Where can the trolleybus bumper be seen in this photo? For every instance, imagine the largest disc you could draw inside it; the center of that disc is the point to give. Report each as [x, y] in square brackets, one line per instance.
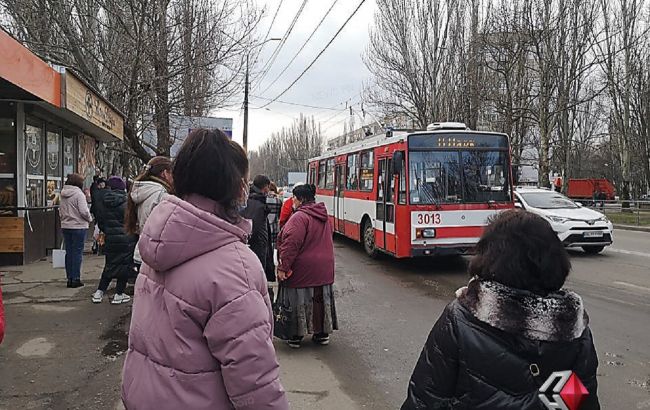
[444, 250]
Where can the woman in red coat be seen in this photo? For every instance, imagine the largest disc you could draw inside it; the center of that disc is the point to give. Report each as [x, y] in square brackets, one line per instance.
[287, 209]
[306, 269]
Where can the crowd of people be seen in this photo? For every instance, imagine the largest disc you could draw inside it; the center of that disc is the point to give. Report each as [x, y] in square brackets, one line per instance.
[206, 245]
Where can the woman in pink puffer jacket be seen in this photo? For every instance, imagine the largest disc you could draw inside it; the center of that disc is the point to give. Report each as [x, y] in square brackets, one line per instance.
[202, 326]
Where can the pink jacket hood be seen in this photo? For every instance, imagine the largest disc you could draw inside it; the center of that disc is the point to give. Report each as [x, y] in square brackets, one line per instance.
[179, 230]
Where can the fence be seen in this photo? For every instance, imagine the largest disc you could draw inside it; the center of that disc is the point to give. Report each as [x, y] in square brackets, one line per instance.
[622, 212]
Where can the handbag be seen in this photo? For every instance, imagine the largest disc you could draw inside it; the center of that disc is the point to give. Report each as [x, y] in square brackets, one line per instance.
[58, 257]
[282, 315]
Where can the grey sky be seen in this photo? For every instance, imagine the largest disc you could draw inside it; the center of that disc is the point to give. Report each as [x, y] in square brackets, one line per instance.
[337, 76]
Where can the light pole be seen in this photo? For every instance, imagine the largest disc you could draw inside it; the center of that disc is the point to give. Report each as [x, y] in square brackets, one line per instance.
[246, 86]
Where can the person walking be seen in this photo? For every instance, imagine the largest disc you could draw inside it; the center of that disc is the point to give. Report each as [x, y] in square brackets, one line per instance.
[510, 328]
[260, 240]
[119, 246]
[75, 219]
[149, 188]
[202, 327]
[306, 269]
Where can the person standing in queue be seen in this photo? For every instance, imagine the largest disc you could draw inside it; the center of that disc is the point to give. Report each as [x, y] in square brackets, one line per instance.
[119, 245]
[274, 206]
[75, 220]
[260, 240]
[306, 269]
[202, 326]
[287, 209]
[149, 188]
[510, 328]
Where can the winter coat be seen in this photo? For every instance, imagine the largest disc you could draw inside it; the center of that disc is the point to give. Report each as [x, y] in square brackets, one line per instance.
[306, 248]
[146, 195]
[2, 318]
[74, 210]
[119, 246]
[97, 201]
[285, 212]
[260, 240]
[494, 347]
[202, 327]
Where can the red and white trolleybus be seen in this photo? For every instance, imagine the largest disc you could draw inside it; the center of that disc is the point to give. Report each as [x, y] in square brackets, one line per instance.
[416, 193]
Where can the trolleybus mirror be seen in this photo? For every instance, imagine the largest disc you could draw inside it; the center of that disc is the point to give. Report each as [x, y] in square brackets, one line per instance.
[398, 159]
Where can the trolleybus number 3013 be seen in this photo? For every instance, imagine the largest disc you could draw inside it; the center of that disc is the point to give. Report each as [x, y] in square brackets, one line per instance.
[429, 218]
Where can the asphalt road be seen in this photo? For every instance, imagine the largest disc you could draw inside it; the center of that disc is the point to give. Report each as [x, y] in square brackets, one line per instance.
[387, 307]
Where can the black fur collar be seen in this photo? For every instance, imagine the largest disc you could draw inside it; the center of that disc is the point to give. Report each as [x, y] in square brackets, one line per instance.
[560, 316]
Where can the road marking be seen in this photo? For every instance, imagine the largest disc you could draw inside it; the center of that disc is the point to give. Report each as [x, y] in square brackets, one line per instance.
[623, 251]
[633, 286]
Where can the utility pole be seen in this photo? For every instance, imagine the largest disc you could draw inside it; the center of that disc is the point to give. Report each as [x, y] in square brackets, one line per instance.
[246, 85]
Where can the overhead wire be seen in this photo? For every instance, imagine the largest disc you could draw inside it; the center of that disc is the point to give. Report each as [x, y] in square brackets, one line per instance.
[277, 10]
[267, 66]
[297, 104]
[318, 56]
[302, 47]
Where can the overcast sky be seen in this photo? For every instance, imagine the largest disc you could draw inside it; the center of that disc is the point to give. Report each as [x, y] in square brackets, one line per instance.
[337, 76]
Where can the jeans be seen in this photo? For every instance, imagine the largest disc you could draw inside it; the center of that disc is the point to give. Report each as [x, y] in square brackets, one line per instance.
[74, 247]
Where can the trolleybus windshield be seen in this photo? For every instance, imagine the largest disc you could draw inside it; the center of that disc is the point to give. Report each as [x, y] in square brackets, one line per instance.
[458, 169]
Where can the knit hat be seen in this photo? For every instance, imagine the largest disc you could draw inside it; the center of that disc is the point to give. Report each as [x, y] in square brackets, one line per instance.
[116, 183]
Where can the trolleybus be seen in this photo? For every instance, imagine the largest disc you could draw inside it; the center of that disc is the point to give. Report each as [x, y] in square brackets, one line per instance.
[416, 193]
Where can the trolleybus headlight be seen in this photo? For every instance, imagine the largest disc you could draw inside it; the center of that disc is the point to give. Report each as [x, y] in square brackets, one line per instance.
[425, 233]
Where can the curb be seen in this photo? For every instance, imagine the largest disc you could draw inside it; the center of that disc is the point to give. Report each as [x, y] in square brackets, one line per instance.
[633, 228]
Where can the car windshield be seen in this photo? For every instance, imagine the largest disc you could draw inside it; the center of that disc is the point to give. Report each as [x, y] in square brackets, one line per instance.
[458, 177]
[548, 200]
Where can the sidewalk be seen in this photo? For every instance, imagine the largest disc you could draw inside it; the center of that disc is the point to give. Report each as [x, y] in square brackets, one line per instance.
[63, 352]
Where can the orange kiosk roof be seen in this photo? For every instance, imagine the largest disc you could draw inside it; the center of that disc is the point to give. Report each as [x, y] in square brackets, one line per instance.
[24, 69]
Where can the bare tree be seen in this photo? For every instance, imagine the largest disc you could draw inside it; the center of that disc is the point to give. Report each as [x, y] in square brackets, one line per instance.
[288, 150]
[152, 58]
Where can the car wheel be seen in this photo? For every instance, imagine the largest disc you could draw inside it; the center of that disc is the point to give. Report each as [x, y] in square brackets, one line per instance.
[593, 250]
[369, 240]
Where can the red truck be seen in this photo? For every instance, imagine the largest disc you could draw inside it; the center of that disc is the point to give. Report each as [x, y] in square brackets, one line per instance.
[591, 188]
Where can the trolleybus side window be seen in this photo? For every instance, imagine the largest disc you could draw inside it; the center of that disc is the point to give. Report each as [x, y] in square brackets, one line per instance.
[329, 181]
[321, 174]
[353, 172]
[312, 175]
[367, 166]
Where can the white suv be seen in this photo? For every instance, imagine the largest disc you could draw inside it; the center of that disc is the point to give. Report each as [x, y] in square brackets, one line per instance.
[575, 226]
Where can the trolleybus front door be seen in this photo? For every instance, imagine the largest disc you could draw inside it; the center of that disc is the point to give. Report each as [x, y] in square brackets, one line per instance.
[385, 208]
[339, 200]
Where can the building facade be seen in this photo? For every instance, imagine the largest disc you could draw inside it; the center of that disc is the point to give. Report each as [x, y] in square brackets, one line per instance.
[50, 122]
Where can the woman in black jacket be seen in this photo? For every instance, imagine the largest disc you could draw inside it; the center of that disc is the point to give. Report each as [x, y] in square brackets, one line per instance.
[119, 246]
[509, 329]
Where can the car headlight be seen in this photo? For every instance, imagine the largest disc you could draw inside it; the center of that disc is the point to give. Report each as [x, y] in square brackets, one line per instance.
[557, 219]
[604, 219]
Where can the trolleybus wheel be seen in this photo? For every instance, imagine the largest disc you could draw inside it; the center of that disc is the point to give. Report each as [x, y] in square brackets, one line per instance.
[369, 240]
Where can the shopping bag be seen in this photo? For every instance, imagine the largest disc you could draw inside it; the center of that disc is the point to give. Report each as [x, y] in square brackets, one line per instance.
[58, 258]
[282, 315]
